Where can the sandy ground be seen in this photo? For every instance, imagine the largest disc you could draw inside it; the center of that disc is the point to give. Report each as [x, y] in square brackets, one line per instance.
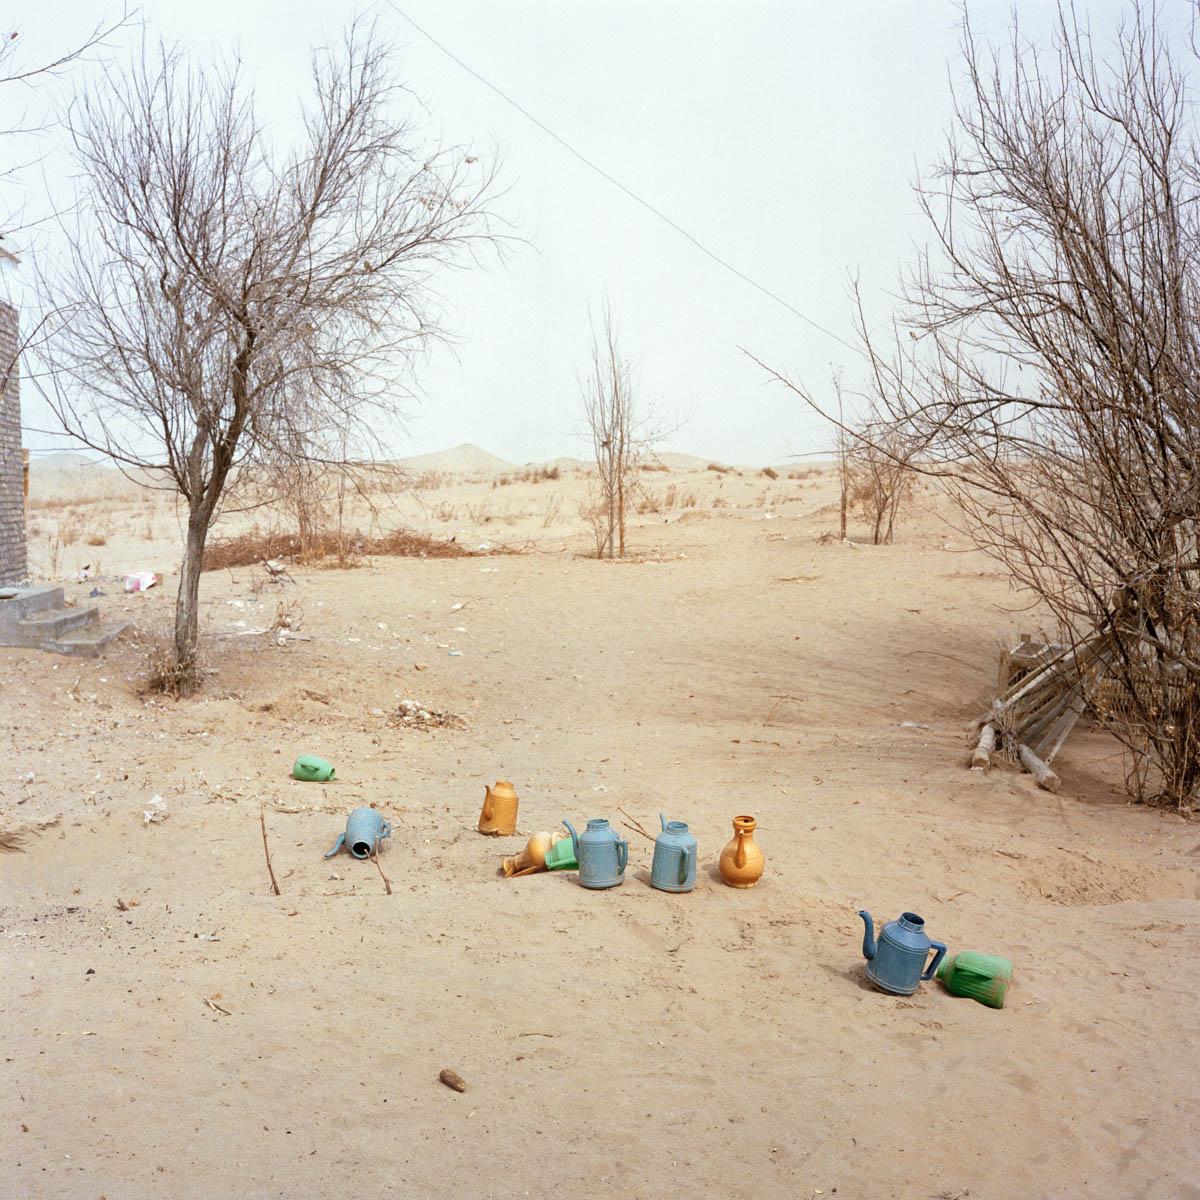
[172, 1028]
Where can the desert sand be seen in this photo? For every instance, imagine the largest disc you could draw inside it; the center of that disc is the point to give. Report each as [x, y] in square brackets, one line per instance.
[172, 1028]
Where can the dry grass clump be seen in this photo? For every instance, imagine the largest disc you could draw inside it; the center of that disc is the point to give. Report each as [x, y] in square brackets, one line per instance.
[769, 472]
[654, 467]
[721, 470]
[247, 549]
[535, 474]
[162, 675]
[404, 543]
[430, 481]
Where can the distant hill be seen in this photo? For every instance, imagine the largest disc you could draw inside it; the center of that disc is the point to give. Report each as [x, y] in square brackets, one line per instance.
[462, 458]
[64, 460]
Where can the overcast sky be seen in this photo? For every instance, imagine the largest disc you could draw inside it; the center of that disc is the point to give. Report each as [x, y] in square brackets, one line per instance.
[784, 136]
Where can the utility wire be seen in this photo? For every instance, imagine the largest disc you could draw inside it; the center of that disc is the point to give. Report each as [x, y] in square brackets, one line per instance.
[617, 183]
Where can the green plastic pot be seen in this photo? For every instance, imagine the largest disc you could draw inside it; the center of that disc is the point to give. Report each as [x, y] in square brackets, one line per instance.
[312, 769]
[982, 977]
[561, 857]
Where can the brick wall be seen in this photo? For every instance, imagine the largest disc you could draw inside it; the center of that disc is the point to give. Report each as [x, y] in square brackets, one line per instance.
[12, 493]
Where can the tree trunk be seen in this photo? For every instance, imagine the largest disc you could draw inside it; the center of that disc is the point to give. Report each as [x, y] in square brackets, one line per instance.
[187, 604]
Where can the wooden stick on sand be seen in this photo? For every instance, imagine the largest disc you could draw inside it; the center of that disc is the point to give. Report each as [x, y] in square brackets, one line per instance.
[375, 858]
[262, 816]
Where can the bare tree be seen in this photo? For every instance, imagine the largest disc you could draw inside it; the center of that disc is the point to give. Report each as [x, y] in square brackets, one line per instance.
[229, 301]
[1059, 340]
[620, 434]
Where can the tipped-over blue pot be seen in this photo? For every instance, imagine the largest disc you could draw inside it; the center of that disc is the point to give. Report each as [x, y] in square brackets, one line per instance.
[364, 828]
[896, 963]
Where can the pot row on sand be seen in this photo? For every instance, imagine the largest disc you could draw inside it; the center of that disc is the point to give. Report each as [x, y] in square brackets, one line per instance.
[600, 854]
[897, 963]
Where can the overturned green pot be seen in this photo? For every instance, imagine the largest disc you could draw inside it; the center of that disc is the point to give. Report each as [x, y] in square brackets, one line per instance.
[312, 769]
[982, 977]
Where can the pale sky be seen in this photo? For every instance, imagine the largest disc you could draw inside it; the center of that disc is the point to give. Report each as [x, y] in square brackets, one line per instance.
[784, 135]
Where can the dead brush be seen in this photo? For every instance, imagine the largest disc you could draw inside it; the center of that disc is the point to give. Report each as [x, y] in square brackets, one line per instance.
[288, 618]
[163, 674]
[250, 549]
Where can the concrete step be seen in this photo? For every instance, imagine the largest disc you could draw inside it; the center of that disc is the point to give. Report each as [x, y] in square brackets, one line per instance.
[19, 603]
[88, 641]
[50, 624]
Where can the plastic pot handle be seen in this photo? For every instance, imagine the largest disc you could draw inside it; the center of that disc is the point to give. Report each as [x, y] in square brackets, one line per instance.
[937, 958]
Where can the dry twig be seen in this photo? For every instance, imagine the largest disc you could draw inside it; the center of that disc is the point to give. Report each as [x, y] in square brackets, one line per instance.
[262, 816]
[375, 860]
[636, 826]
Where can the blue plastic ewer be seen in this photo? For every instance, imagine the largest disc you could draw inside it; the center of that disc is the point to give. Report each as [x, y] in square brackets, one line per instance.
[674, 866]
[897, 963]
[601, 854]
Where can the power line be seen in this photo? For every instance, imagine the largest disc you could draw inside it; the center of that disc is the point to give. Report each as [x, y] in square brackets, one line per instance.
[587, 162]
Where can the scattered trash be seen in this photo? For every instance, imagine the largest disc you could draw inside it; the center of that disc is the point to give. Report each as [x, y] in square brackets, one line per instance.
[897, 963]
[601, 854]
[533, 857]
[365, 828]
[982, 977]
[456, 654]
[156, 812]
[410, 714]
[452, 1080]
[499, 815]
[139, 581]
[94, 593]
[277, 571]
[311, 769]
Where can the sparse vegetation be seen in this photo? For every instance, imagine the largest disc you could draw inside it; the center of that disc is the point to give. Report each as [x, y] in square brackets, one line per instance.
[249, 549]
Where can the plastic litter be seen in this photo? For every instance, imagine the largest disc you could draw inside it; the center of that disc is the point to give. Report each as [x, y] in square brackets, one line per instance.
[139, 581]
[156, 813]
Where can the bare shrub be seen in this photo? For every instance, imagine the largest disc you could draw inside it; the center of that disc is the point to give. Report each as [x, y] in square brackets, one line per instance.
[769, 472]
[621, 433]
[553, 508]
[97, 539]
